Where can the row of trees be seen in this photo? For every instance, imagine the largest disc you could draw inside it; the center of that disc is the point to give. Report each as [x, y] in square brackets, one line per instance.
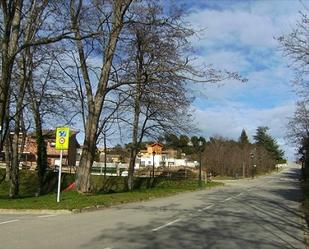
[295, 47]
[188, 145]
[112, 66]
[229, 157]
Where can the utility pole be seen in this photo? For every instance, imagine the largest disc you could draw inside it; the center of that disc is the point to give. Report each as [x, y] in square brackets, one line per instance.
[200, 143]
[304, 170]
[153, 164]
[252, 154]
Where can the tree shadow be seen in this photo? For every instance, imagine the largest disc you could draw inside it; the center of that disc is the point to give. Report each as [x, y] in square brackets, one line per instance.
[255, 221]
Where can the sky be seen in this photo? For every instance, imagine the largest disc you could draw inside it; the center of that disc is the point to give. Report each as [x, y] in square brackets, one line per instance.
[240, 36]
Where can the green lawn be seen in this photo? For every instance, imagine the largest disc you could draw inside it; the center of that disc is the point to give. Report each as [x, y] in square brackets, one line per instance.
[74, 200]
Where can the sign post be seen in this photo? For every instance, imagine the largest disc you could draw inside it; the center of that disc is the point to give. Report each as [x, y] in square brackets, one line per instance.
[62, 143]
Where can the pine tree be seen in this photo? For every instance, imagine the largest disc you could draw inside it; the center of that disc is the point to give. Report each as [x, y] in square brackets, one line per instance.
[243, 139]
[268, 142]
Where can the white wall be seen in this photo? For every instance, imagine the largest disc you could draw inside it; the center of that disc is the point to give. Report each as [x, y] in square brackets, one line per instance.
[159, 160]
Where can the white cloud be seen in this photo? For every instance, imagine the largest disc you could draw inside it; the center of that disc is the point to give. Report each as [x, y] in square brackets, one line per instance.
[240, 37]
[231, 117]
[255, 25]
[222, 59]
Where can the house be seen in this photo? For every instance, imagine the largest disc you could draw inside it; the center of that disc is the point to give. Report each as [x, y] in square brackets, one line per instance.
[110, 156]
[68, 157]
[155, 156]
[114, 162]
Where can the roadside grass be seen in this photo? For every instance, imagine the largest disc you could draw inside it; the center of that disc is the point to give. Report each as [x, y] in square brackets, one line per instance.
[73, 200]
[28, 184]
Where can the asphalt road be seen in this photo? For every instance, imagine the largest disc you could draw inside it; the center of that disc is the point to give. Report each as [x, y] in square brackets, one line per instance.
[259, 213]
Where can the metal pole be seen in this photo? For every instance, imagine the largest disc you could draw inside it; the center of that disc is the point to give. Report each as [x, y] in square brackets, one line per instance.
[305, 165]
[252, 164]
[200, 170]
[153, 163]
[1, 145]
[59, 177]
[0, 139]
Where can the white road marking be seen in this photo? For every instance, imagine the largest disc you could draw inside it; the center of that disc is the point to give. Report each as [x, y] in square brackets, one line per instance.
[227, 199]
[165, 225]
[208, 207]
[205, 208]
[9, 221]
[48, 215]
[239, 194]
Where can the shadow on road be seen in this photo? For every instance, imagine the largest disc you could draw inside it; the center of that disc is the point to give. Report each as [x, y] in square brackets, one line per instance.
[267, 217]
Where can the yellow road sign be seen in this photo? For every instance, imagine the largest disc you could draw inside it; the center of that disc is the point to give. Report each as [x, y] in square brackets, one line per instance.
[62, 138]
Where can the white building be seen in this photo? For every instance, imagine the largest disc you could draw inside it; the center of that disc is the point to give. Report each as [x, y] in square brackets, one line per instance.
[155, 156]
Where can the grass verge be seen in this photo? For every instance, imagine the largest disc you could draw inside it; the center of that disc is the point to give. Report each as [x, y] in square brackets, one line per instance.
[73, 200]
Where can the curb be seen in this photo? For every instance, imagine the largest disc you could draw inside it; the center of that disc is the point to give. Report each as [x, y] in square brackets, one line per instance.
[93, 208]
[34, 211]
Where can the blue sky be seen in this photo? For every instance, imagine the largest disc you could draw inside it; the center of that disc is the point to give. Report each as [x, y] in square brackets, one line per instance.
[239, 36]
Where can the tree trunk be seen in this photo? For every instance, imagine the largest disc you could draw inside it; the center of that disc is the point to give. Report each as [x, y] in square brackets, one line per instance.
[8, 160]
[87, 157]
[16, 152]
[95, 101]
[4, 96]
[14, 183]
[35, 108]
[7, 151]
[41, 152]
[11, 28]
[133, 155]
[137, 109]
[105, 158]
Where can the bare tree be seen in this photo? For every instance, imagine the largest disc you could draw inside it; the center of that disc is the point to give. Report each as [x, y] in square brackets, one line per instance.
[20, 22]
[295, 46]
[25, 24]
[112, 19]
[159, 64]
[226, 157]
[49, 99]
[298, 126]
[298, 133]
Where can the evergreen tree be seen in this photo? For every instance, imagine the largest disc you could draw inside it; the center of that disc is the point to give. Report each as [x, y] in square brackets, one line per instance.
[243, 139]
[171, 141]
[183, 142]
[194, 141]
[268, 142]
